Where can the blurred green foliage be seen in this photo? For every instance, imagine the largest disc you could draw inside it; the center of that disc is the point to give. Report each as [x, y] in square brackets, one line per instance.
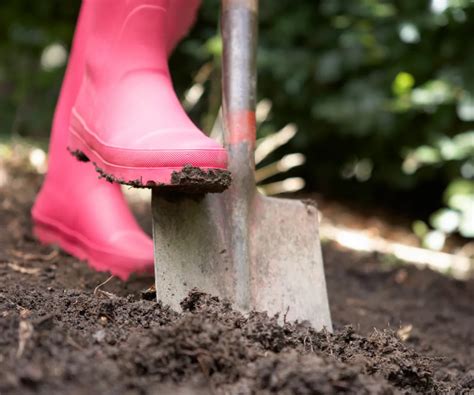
[381, 91]
[28, 91]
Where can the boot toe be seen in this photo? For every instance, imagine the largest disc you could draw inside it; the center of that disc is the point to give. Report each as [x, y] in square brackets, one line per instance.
[134, 251]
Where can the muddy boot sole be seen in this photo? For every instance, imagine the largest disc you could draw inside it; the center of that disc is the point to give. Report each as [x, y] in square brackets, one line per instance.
[188, 180]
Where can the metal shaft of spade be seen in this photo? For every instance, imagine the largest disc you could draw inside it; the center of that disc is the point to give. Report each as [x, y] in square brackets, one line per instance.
[239, 79]
[260, 253]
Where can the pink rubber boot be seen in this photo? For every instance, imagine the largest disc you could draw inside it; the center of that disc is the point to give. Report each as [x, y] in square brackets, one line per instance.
[85, 216]
[127, 119]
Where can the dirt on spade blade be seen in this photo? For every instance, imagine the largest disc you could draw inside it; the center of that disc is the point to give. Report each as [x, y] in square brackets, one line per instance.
[397, 329]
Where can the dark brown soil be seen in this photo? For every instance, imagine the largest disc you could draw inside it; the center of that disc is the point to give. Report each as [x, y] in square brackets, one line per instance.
[62, 332]
[189, 180]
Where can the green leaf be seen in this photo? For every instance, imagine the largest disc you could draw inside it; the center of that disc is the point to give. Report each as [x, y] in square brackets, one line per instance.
[465, 107]
[460, 195]
[446, 220]
[420, 228]
[403, 83]
[434, 240]
[466, 227]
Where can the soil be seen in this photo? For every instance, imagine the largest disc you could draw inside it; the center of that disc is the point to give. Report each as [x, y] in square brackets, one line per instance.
[65, 329]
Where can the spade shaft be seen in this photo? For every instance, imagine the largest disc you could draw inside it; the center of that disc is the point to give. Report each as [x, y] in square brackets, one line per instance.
[261, 253]
[239, 64]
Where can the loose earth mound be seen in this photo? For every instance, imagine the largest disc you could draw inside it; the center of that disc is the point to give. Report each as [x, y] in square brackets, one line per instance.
[397, 329]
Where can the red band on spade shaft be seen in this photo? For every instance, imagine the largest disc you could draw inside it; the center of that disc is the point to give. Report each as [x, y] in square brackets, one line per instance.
[242, 127]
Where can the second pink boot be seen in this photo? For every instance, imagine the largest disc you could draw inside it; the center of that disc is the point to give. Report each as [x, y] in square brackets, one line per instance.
[127, 119]
[85, 216]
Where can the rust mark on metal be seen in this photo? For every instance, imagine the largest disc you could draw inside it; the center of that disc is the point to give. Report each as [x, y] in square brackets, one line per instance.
[242, 127]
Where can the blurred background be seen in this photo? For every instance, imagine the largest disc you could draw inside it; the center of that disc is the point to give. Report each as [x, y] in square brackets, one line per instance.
[367, 105]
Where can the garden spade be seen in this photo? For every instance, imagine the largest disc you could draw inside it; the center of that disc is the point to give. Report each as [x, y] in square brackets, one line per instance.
[261, 253]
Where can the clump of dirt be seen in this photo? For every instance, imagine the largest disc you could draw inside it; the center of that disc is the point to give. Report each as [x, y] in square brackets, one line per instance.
[397, 329]
[191, 179]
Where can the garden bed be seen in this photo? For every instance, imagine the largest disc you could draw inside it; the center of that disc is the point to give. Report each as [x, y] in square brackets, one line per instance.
[398, 329]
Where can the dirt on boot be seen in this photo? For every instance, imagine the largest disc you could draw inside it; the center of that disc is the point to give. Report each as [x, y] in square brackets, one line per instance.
[189, 180]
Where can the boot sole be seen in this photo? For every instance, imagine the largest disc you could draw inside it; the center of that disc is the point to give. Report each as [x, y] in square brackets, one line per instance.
[49, 233]
[186, 179]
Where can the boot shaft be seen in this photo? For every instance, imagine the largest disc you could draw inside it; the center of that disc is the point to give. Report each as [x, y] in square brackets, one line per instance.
[126, 36]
